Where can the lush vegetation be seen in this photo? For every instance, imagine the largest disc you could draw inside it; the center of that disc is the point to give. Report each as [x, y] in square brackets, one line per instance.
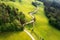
[10, 18]
[41, 28]
[52, 11]
[14, 28]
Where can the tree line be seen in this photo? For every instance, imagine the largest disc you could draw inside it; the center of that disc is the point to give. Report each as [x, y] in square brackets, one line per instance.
[52, 11]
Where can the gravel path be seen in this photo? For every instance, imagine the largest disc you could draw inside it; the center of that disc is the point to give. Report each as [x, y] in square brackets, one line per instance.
[32, 21]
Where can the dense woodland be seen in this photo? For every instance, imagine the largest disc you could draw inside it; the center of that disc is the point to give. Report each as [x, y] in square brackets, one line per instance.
[10, 18]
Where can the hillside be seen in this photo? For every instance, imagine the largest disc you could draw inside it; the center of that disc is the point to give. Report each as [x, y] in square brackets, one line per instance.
[40, 29]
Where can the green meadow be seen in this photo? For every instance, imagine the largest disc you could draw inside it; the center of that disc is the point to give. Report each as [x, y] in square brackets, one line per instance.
[41, 27]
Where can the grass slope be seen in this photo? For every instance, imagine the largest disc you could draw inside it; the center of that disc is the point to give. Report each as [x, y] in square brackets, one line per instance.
[14, 36]
[42, 27]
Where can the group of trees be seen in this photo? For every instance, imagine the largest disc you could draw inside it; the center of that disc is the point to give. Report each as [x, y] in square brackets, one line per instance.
[11, 0]
[52, 11]
[10, 18]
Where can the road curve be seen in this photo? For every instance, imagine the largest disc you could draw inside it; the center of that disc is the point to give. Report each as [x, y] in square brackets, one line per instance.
[32, 21]
[33, 17]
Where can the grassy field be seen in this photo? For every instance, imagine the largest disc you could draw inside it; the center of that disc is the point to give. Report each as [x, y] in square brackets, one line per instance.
[14, 36]
[41, 26]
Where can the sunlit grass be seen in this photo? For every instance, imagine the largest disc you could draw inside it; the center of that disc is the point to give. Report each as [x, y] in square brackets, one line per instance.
[42, 27]
[14, 36]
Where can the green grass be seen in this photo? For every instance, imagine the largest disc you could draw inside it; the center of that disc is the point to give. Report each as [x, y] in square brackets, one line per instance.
[41, 26]
[14, 36]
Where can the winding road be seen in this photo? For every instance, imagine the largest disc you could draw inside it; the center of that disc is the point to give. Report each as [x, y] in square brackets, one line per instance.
[33, 17]
[32, 21]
